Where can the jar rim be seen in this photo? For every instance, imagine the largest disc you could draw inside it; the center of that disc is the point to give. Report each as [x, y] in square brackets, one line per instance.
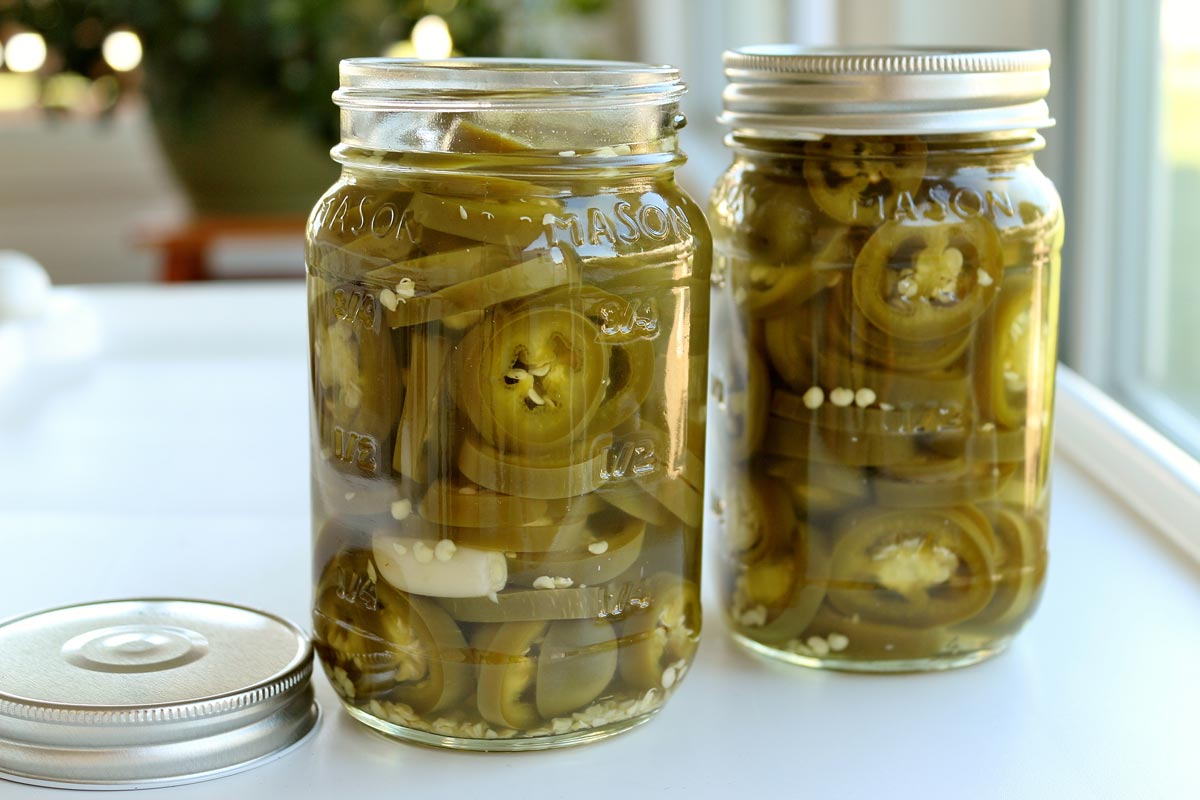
[487, 83]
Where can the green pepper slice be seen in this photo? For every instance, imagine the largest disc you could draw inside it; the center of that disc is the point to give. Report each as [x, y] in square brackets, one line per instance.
[631, 376]
[461, 504]
[536, 274]
[860, 182]
[785, 590]
[439, 270]
[741, 384]
[655, 641]
[853, 437]
[394, 646]
[818, 489]
[1009, 341]
[791, 342]
[913, 568]
[613, 546]
[563, 665]
[537, 477]
[429, 356]
[356, 375]
[1020, 570]
[534, 379]
[469, 137]
[514, 222]
[754, 516]
[940, 482]
[535, 605]
[975, 443]
[577, 660]
[766, 291]
[928, 281]
[633, 500]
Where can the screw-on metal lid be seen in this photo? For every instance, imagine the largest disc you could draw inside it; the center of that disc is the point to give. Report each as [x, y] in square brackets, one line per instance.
[138, 693]
[790, 92]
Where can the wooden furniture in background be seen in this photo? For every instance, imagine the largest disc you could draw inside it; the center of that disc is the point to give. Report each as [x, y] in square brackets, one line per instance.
[209, 248]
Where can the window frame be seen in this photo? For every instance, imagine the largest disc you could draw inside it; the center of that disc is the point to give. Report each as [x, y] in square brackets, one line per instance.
[1116, 246]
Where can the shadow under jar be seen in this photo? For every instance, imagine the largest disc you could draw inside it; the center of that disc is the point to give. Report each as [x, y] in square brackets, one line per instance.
[508, 305]
[885, 312]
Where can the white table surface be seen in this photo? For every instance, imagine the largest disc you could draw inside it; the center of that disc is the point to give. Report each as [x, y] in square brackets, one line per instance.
[174, 462]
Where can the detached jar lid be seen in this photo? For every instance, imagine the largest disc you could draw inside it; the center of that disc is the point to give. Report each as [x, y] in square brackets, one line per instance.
[789, 92]
[132, 694]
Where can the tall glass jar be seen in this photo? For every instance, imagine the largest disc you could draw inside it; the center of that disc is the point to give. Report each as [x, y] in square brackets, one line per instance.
[508, 313]
[885, 312]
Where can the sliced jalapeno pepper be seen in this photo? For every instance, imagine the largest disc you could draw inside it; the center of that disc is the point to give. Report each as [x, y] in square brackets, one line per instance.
[613, 547]
[860, 182]
[581, 472]
[392, 646]
[740, 385]
[631, 375]
[654, 641]
[534, 605]
[928, 281]
[912, 568]
[468, 137]
[426, 379]
[1020, 570]
[534, 379]
[564, 665]
[940, 482]
[755, 517]
[664, 467]
[791, 342]
[432, 272]
[462, 504]
[818, 489]
[852, 436]
[541, 272]
[1009, 342]
[975, 443]
[788, 587]
[514, 222]
[357, 377]
[633, 500]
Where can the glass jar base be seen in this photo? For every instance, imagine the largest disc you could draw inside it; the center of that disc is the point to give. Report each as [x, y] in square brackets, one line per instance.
[935, 663]
[498, 745]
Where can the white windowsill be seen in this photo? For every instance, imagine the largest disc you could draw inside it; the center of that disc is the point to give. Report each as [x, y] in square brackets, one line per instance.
[173, 461]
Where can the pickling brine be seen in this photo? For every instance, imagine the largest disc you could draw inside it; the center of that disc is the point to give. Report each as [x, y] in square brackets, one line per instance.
[885, 314]
[508, 332]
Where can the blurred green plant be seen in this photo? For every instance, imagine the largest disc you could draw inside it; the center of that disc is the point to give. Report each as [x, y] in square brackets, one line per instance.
[196, 51]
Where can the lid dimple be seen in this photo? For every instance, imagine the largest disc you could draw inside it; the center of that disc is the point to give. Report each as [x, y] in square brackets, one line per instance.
[787, 91]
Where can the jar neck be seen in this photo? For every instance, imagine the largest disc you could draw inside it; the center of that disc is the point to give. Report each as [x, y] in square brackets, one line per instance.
[990, 148]
[508, 116]
[607, 163]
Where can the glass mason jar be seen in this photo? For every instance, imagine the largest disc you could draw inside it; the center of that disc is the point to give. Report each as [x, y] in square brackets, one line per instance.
[508, 313]
[885, 312]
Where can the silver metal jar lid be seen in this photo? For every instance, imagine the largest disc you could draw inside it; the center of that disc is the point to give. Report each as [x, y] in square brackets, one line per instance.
[130, 694]
[791, 92]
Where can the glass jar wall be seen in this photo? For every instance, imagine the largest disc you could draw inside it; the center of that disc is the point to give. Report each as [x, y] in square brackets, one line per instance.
[508, 300]
[885, 317]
